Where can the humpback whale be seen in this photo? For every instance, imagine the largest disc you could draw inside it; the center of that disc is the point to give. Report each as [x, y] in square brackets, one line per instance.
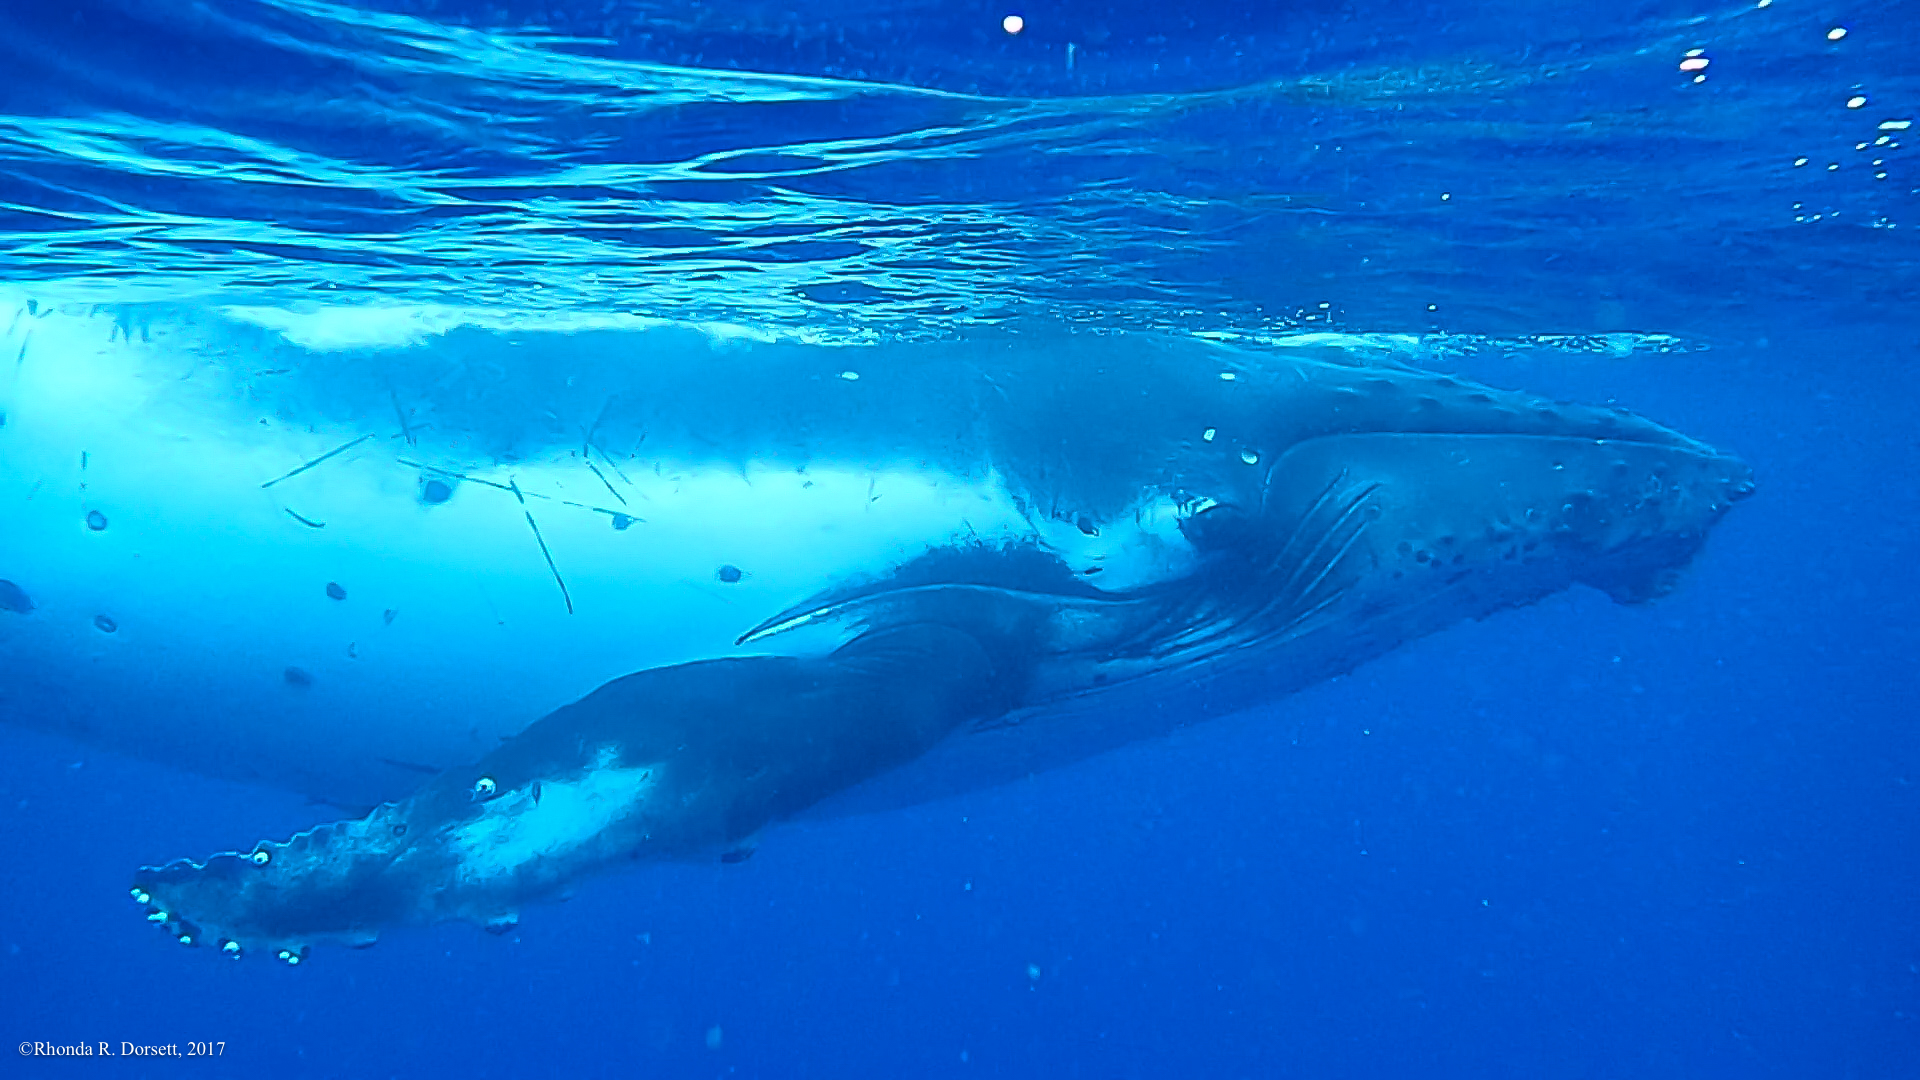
[773, 575]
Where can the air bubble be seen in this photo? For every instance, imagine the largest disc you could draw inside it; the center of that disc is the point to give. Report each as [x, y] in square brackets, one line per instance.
[97, 521]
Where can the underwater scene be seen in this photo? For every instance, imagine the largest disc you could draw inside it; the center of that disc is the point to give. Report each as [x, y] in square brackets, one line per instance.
[776, 539]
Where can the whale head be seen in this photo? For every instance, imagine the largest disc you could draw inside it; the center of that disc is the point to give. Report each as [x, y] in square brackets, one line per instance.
[1350, 509]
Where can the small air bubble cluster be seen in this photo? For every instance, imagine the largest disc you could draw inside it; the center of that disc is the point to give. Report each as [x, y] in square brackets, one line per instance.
[1851, 100]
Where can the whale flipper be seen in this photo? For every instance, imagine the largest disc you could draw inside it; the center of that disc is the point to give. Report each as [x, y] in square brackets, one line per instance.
[671, 763]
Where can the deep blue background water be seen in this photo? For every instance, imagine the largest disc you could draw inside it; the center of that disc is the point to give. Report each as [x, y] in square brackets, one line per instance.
[1578, 840]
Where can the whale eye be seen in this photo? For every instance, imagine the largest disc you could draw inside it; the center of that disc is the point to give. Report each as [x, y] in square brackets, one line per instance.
[260, 857]
[484, 788]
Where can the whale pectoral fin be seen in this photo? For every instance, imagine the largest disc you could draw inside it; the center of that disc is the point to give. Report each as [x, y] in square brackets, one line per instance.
[671, 763]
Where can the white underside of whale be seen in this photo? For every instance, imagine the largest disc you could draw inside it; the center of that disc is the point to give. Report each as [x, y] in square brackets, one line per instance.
[197, 625]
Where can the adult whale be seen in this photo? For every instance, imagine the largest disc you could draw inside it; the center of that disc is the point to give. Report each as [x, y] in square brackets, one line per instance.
[259, 551]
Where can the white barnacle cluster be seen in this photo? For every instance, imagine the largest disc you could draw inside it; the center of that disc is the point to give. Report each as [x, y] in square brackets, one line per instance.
[183, 931]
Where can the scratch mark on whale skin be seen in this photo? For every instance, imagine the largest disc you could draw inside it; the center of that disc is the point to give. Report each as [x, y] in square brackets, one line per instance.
[542, 541]
[328, 456]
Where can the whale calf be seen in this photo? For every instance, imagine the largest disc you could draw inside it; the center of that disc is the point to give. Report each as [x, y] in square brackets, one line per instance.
[775, 575]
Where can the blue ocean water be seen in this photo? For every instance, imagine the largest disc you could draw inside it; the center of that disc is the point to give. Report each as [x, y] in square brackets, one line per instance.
[1578, 839]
